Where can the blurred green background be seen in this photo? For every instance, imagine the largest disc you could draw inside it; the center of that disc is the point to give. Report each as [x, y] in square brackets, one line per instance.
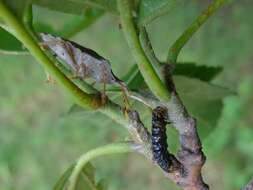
[38, 140]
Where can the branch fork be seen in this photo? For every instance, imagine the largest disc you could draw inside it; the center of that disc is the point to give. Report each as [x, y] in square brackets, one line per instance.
[185, 169]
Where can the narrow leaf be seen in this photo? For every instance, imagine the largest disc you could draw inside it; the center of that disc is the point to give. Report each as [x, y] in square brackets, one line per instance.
[102, 185]
[61, 183]
[198, 89]
[77, 6]
[192, 70]
[66, 6]
[133, 78]
[202, 100]
[76, 110]
[9, 44]
[85, 181]
[150, 9]
[17, 7]
[72, 23]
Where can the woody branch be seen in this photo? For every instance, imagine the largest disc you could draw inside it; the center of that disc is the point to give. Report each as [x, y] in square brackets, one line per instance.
[187, 164]
[190, 156]
[188, 175]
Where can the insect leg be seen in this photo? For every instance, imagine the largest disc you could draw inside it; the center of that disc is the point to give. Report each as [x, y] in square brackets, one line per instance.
[49, 78]
[103, 95]
[125, 94]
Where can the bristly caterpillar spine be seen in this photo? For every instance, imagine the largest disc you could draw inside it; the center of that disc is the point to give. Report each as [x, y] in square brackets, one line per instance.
[159, 139]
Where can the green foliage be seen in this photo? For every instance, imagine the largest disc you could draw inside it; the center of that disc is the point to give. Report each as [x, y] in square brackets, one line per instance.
[29, 130]
[63, 181]
[9, 44]
[202, 72]
[133, 78]
[72, 7]
[203, 100]
[17, 7]
[86, 179]
[150, 10]
[71, 24]
[77, 6]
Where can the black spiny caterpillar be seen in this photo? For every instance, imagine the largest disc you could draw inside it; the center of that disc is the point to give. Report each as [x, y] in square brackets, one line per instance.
[159, 138]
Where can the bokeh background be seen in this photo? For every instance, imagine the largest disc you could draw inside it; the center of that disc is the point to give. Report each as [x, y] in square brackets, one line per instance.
[39, 140]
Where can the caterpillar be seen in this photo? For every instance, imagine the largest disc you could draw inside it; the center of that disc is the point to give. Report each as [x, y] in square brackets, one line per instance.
[159, 139]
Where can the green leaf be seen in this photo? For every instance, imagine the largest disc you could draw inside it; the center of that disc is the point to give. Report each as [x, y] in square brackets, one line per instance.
[72, 23]
[203, 100]
[76, 109]
[9, 44]
[202, 72]
[77, 6]
[66, 6]
[86, 179]
[62, 181]
[109, 5]
[151, 9]
[89, 170]
[101, 185]
[17, 7]
[198, 89]
[133, 78]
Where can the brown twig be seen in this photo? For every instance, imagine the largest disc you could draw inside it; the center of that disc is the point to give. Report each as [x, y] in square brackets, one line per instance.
[186, 171]
[190, 155]
[187, 164]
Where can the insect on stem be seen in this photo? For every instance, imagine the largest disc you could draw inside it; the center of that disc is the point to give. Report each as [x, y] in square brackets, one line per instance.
[161, 155]
[85, 63]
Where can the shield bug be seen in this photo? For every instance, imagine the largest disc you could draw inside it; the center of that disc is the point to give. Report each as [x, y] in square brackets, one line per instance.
[84, 62]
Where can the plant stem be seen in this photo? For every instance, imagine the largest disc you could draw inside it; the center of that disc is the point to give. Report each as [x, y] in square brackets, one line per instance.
[111, 109]
[190, 31]
[19, 31]
[149, 74]
[115, 112]
[101, 151]
[147, 47]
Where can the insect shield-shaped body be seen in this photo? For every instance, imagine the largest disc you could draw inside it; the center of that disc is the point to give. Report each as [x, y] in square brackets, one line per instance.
[84, 62]
[159, 138]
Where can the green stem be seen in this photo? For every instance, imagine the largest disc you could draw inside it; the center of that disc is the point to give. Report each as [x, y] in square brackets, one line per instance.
[149, 74]
[116, 113]
[111, 109]
[19, 31]
[147, 47]
[28, 23]
[117, 148]
[188, 33]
